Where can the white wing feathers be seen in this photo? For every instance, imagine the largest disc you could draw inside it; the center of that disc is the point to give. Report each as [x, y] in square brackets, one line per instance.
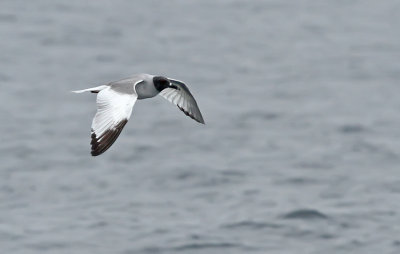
[181, 96]
[113, 112]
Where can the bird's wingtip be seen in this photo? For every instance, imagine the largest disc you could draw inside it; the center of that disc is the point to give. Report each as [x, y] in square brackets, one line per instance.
[200, 120]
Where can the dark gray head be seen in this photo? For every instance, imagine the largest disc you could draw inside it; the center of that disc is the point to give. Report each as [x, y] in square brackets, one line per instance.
[161, 83]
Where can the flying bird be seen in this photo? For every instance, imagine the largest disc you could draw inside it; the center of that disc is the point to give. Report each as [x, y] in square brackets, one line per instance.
[115, 101]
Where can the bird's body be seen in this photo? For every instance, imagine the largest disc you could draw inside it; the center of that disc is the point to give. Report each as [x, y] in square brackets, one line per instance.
[116, 100]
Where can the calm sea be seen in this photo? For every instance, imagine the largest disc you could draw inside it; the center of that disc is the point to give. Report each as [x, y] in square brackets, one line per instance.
[300, 152]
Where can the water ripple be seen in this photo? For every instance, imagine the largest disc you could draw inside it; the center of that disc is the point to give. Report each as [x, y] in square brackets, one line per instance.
[250, 225]
[196, 246]
[305, 214]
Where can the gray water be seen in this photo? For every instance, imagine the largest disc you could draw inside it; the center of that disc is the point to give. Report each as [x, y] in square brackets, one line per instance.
[300, 152]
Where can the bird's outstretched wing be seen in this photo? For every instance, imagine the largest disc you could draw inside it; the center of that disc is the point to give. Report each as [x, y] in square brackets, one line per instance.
[114, 109]
[180, 95]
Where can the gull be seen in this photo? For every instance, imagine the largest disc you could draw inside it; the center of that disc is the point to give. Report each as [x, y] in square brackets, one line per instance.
[115, 102]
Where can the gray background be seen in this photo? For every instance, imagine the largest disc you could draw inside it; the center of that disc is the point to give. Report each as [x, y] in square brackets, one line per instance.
[302, 110]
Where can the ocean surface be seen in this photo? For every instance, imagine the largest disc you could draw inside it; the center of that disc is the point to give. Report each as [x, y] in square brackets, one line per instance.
[300, 152]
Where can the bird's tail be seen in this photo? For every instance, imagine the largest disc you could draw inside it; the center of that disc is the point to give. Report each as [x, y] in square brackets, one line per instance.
[93, 89]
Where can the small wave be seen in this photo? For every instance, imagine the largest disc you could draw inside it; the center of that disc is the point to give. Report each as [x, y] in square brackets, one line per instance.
[351, 129]
[11, 18]
[47, 246]
[298, 181]
[307, 214]
[259, 116]
[196, 246]
[250, 225]
[314, 165]
[396, 243]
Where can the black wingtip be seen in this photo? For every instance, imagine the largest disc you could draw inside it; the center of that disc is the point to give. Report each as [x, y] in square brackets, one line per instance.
[200, 120]
[104, 142]
[94, 154]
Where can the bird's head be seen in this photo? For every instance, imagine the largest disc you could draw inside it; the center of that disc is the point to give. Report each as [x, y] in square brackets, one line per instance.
[160, 83]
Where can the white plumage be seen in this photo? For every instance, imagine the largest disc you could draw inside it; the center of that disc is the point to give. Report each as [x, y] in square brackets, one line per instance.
[115, 102]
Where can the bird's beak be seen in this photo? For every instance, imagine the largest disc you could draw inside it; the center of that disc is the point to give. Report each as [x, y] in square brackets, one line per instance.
[173, 86]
